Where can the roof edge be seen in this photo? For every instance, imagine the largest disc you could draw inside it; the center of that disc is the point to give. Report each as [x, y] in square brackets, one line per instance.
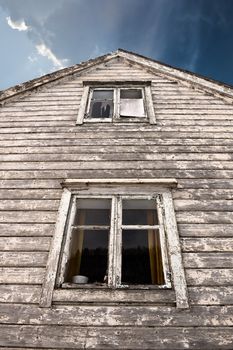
[51, 77]
[218, 88]
[177, 68]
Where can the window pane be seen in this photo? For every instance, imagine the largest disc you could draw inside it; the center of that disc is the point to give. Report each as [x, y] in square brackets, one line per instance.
[101, 109]
[139, 212]
[141, 257]
[132, 108]
[88, 255]
[131, 93]
[93, 212]
[102, 95]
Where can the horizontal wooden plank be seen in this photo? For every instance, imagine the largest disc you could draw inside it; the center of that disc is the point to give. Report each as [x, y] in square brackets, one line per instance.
[30, 194]
[28, 216]
[206, 230]
[29, 183]
[200, 217]
[42, 101]
[58, 175]
[20, 293]
[203, 194]
[32, 108]
[11, 121]
[26, 230]
[18, 179]
[124, 164]
[205, 183]
[190, 111]
[20, 259]
[203, 205]
[195, 117]
[209, 277]
[208, 260]
[199, 131]
[26, 204]
[182, 159]
[25, 243]
[182, 109]
[170, 96]
[215, 295]
[194, 106]
[21, 275]
[127, 316]
[160, 132]
[92, 295]
[24, 113]
[178, 144]
[207, 244]
[210, 120]
[37, 134]
[132, 338]
[207, 152]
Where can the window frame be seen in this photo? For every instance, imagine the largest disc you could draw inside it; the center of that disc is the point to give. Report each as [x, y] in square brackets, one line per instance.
[116, 86]
[115, 241]
[112, 187]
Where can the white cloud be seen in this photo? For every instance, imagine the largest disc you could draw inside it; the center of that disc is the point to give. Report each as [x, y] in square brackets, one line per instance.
[45, 51]
[18, 25]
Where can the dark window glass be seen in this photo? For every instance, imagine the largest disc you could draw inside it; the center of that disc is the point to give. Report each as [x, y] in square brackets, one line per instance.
[93, 212]
[139, 212]
[102, 95]
[141, 257]
[101, 104]
[88, 249]
[131, 93]
[88, 255]
[141, 249]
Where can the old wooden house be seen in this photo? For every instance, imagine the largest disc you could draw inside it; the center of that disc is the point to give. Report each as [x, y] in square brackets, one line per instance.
[116, 217]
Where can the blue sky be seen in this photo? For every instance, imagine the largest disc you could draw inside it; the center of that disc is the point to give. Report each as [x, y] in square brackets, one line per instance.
[41, 36]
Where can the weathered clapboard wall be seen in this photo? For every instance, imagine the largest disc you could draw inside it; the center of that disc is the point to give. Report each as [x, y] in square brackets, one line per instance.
[40, 146]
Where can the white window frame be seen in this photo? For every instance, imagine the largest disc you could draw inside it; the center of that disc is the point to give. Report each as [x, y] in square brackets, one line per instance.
[89, 87]
[117, 189]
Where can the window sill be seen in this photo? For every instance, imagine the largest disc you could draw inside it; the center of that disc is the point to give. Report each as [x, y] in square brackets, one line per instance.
[124, 120]
[105, 286]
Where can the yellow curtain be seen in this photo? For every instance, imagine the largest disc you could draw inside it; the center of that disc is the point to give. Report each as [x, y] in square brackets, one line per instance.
[156, 265]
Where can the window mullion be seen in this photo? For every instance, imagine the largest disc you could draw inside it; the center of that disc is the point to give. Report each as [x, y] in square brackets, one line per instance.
[116, 114]
[118, 241]
[112, 244]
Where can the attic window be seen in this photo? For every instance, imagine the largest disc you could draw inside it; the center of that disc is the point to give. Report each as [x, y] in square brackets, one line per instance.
[120, 102]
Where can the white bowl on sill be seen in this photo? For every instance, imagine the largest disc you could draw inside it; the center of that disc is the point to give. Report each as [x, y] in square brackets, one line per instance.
[79, 279]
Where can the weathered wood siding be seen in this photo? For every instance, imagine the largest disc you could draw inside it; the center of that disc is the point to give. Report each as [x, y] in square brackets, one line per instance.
[40, 145]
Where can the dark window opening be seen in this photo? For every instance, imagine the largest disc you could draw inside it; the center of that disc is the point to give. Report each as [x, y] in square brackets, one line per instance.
[88, 251]
[101, 104]
[141, 249]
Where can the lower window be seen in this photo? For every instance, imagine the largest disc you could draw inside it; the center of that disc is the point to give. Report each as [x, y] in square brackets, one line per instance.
[117, 241]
